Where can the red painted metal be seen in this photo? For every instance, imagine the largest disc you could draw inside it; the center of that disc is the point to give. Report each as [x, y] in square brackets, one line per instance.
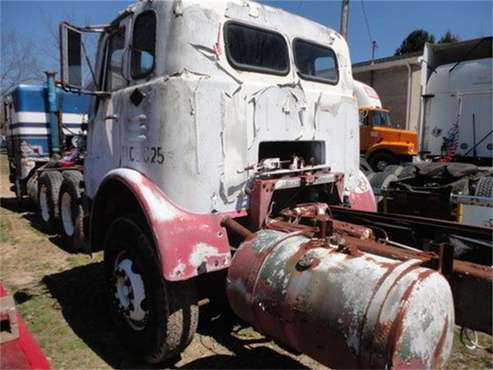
[23, 352]
[188, 244]
[362, 197]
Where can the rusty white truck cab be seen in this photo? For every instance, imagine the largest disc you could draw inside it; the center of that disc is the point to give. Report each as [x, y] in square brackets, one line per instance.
[201, 91]
[193, 100]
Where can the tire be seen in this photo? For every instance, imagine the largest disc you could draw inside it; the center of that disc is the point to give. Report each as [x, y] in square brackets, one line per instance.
[379, 160]
[393, 169]
[407, 172]
[157, 319]
[371, 175]
[381, 181]
[48, 193]
[365, 167]
[484, 187]
[71, 212]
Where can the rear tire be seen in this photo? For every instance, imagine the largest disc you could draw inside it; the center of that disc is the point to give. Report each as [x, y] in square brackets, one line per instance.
[364, 166]
[394, 169]
[381, 181]
[48, 193]
[408, 172]
[155, 319]
[71, 212]
[379, 160]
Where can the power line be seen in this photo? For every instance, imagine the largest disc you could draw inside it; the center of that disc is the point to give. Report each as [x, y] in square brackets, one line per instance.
[373, 42]
[366, 20]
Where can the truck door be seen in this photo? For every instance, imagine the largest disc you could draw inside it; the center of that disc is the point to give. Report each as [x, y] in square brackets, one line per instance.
[104, 143]
[141, 148]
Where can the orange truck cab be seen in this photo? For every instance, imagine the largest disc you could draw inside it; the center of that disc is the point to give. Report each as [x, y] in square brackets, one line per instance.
[380, 143]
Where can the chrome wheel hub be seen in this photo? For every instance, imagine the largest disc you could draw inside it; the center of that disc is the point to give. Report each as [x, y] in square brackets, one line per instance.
[130, 294]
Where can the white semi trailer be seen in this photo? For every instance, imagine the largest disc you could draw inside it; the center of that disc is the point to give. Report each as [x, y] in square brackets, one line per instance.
[456, 113]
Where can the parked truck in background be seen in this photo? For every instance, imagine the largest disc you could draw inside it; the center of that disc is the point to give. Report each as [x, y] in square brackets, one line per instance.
[456, 110]
[381, 143]
[45, 137]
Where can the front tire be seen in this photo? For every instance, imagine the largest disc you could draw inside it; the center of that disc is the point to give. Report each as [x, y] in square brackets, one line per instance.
[155, 319]
[379, 160]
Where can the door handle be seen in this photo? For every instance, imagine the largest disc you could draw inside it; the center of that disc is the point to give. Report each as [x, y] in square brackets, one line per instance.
[113, 117]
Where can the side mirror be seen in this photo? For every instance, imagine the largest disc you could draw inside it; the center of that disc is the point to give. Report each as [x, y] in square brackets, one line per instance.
[71, 56]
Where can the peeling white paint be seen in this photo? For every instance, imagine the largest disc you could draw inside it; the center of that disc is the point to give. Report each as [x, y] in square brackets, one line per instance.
[200, 253]
[209, 118]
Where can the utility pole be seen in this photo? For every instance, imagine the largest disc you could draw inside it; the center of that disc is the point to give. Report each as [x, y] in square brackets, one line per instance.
[373, 47]
[344, 18]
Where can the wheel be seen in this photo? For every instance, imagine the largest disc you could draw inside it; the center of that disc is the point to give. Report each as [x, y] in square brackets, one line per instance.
[393, 169]
[407, 172]
[49, 189]
[381, 181]
[484, 187]
[365, 167]
[371, 175]
[154, 318]
[71, 212]
[379, 160]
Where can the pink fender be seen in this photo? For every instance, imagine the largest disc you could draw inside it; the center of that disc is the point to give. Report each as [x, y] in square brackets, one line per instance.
[362, 197]
[188, 244]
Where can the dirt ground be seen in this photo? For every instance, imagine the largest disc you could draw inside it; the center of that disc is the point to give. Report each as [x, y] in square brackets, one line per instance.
[61, 297]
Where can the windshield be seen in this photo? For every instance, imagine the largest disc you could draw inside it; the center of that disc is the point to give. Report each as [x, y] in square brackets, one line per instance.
[380, 118]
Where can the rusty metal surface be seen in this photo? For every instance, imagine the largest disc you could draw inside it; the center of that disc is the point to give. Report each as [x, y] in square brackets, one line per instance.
[471, 283]
[425, 226]
[188, 244]
[343, 307]
[229, 223]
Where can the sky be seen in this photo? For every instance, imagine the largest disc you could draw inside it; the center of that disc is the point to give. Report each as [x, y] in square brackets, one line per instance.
[389, 21]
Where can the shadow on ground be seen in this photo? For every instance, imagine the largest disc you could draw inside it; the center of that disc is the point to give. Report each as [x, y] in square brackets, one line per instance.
[28, 211]
[81, 295]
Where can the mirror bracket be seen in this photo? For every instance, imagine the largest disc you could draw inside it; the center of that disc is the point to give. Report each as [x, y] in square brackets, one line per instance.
[71, 51]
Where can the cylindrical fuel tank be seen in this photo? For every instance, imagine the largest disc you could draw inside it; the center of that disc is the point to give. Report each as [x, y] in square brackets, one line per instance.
[345, 310]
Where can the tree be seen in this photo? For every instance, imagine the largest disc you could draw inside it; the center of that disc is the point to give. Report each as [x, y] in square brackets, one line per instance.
[18, 64]
[449, 37]
[415, 41]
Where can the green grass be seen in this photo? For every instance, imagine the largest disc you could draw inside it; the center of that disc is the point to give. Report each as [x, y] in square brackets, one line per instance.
[44, 317]
[76, 260]
[463, 358]
[6, 235]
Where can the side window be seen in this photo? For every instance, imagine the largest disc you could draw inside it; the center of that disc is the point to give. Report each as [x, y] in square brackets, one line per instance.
[144, 44]
[256, 49]
[315, 62]
[114, 68]
[363, 118]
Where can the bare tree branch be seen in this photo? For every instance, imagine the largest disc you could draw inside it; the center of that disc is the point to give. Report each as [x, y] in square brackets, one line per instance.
[18, 63]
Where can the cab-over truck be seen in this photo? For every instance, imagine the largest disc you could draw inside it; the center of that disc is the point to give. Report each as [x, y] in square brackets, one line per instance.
[45, 133]
[381, 143]
[219, 134]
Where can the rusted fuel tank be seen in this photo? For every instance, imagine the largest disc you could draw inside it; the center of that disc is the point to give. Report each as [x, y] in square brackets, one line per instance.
[345, 309]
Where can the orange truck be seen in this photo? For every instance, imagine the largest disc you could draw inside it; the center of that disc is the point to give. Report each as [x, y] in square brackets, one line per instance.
[380, 143]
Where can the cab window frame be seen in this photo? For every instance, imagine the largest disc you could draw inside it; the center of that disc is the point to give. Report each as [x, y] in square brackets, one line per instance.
[312, 77]
[249, 67]
[137, 76]
[108, 51]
